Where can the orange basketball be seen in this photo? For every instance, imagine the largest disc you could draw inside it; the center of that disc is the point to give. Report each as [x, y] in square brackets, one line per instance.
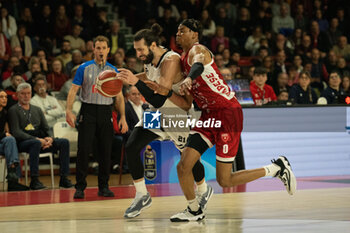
[107, 83]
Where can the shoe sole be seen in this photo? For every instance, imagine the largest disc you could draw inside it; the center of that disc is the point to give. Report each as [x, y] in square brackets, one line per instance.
[293, 182]
[188, 220]
[138, 213]
[210, 195]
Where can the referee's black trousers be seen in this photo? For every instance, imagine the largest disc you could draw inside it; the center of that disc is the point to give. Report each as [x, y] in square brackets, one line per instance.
[95, 122]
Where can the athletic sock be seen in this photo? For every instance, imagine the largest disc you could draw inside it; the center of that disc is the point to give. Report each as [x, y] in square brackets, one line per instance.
[271, 170]
[202, 188]
[140, 187]
[193, 204]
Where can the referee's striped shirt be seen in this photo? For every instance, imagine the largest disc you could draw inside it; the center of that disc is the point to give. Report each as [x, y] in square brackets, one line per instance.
[86, 78]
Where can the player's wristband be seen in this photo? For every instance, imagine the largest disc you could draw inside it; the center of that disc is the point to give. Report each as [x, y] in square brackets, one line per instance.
[196, 70]
[170, 93]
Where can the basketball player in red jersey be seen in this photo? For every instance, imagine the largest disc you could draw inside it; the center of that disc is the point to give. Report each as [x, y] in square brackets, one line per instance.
[217, 102]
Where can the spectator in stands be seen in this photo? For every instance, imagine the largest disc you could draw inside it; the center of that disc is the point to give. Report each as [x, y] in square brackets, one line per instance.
[293, 75]
[263, 20]
[29, 127]
[283, 97]
[304, 49]
[279, 67]
[296, 38]
[34, 66]
[12, 99]
[342, 49]
[41, 54]
[243, 27]
[116, 38]
[219, 61]
[83, 22]
[131, 64]
[77, 59]
[23, 41]
[298, 63]
[75, 40]
[89, 52]
[300, 20]
[261, 53]
[345, 85]
[333, 91]
[269, 66]
[234, 68]
[318, 71]
[118, 60]
[302, 93]
[48, 104]
[67, 85]
[102, 25]
[66, 55]
[57, 77]
[281, 43]
[226, 74]
[27, 20]
[341, 18]
[283, 23]
[322, 22]
[333, 32]
[17, 52]
[133, 107]
[169, 25]
[282, 84]
[165, 4]
[342, 67]
[45, 25]
[252, 43]
[62, 25]
[226, 56]
[209, 27]
[5, 48]
[319, 39]
[9, 25]
[13, 61]
[261, 92]
[223, 20]
[8, 147]
[331, 61]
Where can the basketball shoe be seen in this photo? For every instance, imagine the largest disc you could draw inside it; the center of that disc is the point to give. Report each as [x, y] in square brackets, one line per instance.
[188, 215]
[205, 197]
[140, 203]
[285, 174]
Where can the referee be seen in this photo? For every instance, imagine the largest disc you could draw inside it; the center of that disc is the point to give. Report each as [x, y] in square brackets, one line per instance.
[95, 119]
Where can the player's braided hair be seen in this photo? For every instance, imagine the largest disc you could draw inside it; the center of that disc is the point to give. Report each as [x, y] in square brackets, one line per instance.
[149, 35]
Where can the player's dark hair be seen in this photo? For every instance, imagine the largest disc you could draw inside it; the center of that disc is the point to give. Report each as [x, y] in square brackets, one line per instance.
[149, 35]
[193, 25]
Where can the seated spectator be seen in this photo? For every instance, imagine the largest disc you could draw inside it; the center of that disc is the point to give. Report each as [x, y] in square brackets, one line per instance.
[322, 22]
[226, 73]
[76, 42]
[298, 63]
[28, 125]
[22, 40]
[219, 38]
[283, 97]
[261, 92]
[282, 84]
[9, 25]
[282, 43]
[17, 52]
[65, 55]
[48, 104]
[118, 60]
[252, 43]
[8, 147]
[345, 85]
[56, 78]
[283, 23]
[304, 49]
[279, 67]
[319, 72]
[12, 99]
[62, 25]
[342, 67]
[116, 38]
[261, 53]
[331, 61]
[209, 26]
[5, 48]
[234, 69]
[77, 59]
[41, 54]
[89, 51]
[34, 66]
[342, 49]
[333, 32]
[319, 39]
[67, 85]
[333, 91]
[293, 75]
[302, 93]
[219, 61]
[13, 61]
[133, 107]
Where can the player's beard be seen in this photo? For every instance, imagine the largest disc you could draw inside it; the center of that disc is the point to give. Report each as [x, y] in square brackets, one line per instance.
[149, 57]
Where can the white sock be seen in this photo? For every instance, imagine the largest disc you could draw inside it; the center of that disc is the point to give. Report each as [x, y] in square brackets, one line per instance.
[271, 170]
[140, 187]
[202, 188]
[193, 204]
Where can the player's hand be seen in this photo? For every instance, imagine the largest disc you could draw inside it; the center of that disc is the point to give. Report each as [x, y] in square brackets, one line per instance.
[186, 86]
[70, 118]
[157, 88]
[127, 76]
[123, 126]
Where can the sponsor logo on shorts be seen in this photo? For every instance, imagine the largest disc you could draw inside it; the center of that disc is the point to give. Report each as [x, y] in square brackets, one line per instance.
[225, 137]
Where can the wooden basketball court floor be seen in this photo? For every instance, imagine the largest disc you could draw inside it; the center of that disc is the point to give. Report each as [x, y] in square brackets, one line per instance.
[321, 204]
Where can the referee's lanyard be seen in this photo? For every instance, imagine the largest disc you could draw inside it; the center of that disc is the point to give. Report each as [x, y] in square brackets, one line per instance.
[28, 116]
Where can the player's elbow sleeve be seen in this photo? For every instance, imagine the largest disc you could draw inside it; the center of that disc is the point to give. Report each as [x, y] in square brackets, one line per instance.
[157, 100]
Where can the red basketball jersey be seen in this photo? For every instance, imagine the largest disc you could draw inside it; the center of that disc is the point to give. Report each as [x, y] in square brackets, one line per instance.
[210, 90]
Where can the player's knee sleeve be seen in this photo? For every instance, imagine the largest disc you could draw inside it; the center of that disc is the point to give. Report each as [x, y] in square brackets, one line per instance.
[198, 171]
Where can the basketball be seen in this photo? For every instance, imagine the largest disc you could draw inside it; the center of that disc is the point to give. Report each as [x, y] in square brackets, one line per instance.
[107, 83]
